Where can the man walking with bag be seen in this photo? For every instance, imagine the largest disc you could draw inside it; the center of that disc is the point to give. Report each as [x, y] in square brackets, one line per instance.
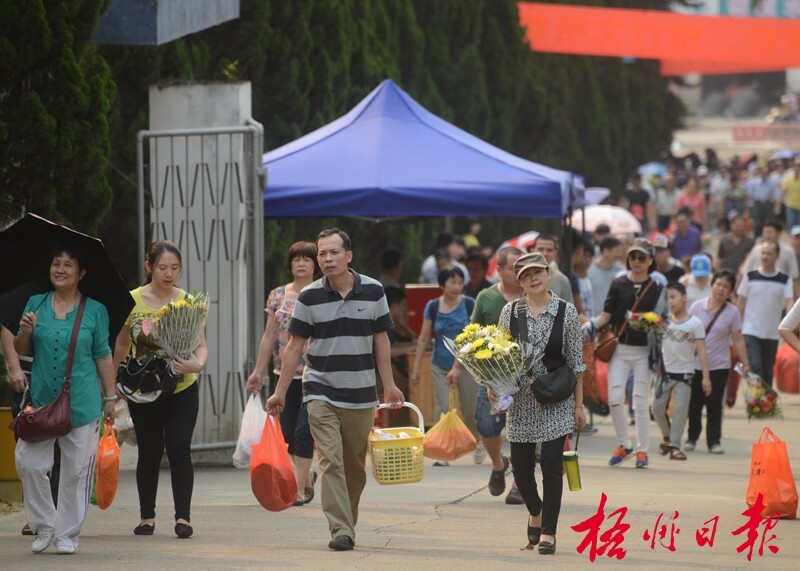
[345, 318]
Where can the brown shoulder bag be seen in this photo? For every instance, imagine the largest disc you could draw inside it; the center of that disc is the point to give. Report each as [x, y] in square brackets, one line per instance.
[55, 418]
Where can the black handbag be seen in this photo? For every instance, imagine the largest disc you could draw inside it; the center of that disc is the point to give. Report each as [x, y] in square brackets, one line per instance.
[145, 380]
[560, 380]
[55, 418]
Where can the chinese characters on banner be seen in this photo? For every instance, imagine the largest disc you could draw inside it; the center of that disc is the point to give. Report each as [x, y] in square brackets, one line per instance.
[608, 541]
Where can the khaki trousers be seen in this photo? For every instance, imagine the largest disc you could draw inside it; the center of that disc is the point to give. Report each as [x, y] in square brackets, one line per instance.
[341, 436]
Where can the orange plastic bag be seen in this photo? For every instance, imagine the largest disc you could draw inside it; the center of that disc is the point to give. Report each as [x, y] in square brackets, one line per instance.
[107, 468]
[449, 439]
[601, 381]
[787, 370]
[771, 475]
[271, 473]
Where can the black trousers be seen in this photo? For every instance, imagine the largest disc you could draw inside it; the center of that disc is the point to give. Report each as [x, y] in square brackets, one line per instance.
[713, 404]
[168, 422]
[294, 422]
[523, 461]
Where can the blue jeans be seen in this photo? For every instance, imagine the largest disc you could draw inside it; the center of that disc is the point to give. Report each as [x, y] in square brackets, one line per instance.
[761, 354]
[490, 424]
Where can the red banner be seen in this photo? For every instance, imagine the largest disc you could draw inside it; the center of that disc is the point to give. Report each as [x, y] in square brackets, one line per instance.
[682, 42]
[776, 132]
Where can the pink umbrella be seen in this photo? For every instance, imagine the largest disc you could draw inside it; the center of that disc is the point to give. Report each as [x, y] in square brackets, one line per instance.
[618, 219]
[523, 242]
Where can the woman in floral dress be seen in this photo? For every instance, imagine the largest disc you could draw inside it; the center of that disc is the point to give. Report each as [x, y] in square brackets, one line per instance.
[300, 264]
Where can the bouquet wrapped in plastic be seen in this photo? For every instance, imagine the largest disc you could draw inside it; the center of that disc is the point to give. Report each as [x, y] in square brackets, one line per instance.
[647, 322]
[178, 326]
[760, 400]
[493, 359]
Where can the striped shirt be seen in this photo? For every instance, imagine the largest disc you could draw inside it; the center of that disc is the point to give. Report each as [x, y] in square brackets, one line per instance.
[340, 366]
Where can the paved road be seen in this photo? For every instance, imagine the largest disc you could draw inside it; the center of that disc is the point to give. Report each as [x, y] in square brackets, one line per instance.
[447, 521]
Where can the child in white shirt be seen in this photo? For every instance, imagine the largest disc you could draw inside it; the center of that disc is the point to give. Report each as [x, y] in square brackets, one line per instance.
[683, 336]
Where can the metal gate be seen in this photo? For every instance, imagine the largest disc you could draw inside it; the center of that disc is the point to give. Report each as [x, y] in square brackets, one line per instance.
[203, 190]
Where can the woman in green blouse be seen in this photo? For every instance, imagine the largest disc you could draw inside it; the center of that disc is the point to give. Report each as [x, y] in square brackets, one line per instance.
[45, 333]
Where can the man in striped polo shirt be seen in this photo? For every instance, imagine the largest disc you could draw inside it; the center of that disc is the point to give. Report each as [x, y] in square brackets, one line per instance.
[763, 295]
[345, 318]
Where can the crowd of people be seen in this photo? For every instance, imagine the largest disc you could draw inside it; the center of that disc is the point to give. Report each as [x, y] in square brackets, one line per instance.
[329, 339]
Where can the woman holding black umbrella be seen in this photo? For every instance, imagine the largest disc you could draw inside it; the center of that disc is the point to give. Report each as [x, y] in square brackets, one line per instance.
[46, 329]
[167, 422]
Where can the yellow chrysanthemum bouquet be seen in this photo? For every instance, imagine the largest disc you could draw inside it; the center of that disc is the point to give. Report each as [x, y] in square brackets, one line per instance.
[178, 326]
[493, 359]
[648, 322]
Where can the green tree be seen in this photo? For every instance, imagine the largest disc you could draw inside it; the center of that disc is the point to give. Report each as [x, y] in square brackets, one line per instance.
[55, 95]
[310, 62]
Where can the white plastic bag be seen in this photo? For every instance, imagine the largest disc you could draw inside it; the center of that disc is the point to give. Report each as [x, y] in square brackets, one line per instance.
[123, 423]
[253, 420]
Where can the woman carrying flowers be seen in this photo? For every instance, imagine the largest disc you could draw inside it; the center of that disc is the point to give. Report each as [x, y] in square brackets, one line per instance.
[553, 332]
[635, 291]
[169, 420]
[446, 316]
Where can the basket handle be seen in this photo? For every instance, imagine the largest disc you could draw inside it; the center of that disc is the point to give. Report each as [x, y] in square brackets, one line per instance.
[413, 407]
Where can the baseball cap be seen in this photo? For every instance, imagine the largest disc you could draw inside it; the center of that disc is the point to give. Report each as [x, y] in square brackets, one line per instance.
[700, 265]
[532, 260]
[641, 245]
[660, 242]
[795, 230]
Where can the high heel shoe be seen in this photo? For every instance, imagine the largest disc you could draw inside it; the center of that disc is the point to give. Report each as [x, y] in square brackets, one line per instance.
[534, 533]
[547, 548]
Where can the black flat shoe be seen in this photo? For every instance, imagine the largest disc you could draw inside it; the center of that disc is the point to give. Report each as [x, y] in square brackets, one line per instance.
[547, 548]
[183, 530]
[144, 529]
[534, 534]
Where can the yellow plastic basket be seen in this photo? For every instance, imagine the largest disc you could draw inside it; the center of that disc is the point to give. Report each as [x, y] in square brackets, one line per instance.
[399, 460]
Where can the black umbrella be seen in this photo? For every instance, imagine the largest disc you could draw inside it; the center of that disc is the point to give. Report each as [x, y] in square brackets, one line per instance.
[26, 251]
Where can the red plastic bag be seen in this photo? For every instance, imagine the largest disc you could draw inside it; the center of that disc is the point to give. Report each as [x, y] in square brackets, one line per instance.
[771, 475]
[271, 472]
[107, 468]
[449, 439]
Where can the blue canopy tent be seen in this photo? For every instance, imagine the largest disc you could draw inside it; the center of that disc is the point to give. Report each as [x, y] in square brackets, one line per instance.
[391, 157]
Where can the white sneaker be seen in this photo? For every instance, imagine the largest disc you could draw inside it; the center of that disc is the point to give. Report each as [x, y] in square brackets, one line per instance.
[689, 446]
[65, 547]
[716, 449]
[43, 540]
[480, 454]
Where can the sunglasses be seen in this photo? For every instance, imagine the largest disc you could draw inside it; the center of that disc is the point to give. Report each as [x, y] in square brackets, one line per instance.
[637, 257]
